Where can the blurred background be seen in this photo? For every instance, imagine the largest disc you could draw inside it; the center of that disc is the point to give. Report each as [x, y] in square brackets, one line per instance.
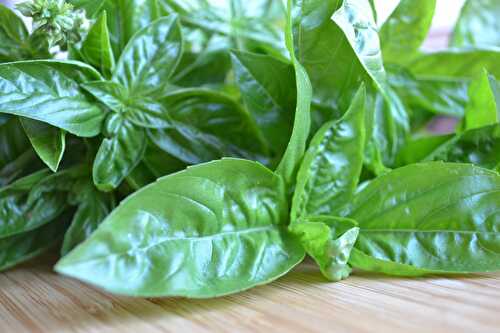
[447, 12]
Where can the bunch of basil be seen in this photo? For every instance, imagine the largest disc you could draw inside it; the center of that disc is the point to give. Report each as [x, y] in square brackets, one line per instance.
[166, 88]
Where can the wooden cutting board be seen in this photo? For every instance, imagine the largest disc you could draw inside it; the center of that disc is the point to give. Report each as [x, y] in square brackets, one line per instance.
[34, 299]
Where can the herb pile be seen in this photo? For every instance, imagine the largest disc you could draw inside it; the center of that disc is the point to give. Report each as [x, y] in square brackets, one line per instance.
[200, 148]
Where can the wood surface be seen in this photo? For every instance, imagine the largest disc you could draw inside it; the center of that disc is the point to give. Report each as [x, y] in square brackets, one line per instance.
[34, 299]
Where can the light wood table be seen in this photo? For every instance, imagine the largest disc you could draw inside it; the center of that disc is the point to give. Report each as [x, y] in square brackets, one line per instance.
[34, 299]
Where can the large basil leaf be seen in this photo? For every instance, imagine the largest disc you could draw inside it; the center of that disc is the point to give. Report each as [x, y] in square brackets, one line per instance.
[456, 63]
[406, 29]
[14, 37]
[29, 203]
[429, 218]
[150, 58]
[267, 86]
[119, 153]
[48, 91]
[331, 168]
[49, 142]
[212, 230]
[483, 108]
[290, 163]
[208, 125]
[478, 24]
[93, 207]
[329, 241]
[20, 248]
[96, 48]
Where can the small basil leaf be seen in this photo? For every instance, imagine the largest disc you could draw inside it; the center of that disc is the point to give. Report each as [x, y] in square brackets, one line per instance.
[208, 125]
[434, 217]
[265, 84]
[478, 25]
[49, 91]
[93, 207]
[331, 168]
[119, 153]
[23, 247]
[406, 29]
[150, 58]
[329, 245]
[96, 48]
[129, 17]
[144, 111]
[214, 229]
[49, 142]
[483, 109]
[13, 36]
[290, 163]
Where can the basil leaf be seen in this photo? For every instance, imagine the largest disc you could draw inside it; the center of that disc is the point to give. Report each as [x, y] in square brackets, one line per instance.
[14, 36]
[48, 91]
[208, 125]
[49, 142]
[331, 168]
[479, 146]
[26, 204]
[456, 63]
[483, 109]
[150, 57]
[429, 218]
[328, 243]
[119, 153]
[13, 141]
[405, 30]
[290, 163]
[23, 247]
[265, 83]
[143, 112]
[338, 44]
[96, 48]
[444, 97]
[212, 230]
[93, 207]
[478, 25]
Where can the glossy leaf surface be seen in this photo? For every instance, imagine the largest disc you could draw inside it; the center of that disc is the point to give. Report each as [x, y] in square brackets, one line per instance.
[432, 217]
[96, 48]
[119, 153]
[150, 58]
[214, 229]
[267, 88]
[406, 29]
[48, 91]
[49, 142]
[331, 168]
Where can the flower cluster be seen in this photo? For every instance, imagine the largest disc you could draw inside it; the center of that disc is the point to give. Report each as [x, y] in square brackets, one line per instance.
[57, 20]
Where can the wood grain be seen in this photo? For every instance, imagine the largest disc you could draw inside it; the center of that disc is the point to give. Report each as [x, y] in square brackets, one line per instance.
[34, 299]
